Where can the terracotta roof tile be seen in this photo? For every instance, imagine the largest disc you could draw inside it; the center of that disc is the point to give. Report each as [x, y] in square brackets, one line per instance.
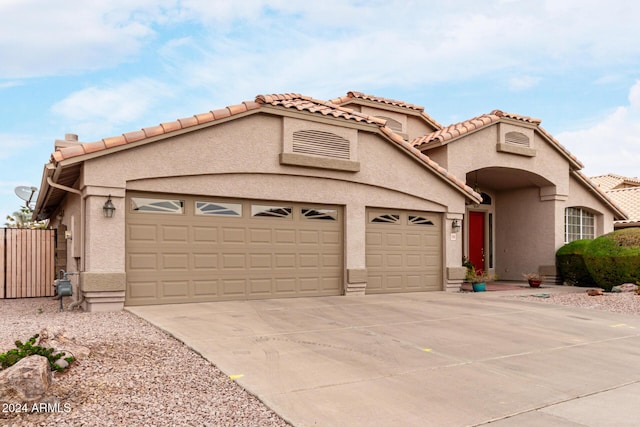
[204, 117]
[92, 147]
[114, 141]
[629, 200]
[611, 181]
[188, 122]
[458, 129]
[134, 136]
[306, 103]
[153, 131]
[221, 113]
[351, 95]
[171, 126]
[599, 191]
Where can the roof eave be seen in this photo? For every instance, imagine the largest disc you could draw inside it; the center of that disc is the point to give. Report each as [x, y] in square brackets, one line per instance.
[621, 215]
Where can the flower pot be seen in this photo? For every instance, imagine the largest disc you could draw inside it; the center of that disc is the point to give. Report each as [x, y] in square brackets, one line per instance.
[534, 283]
[479, 287]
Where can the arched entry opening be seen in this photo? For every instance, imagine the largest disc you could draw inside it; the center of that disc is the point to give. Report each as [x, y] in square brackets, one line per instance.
[512, 231]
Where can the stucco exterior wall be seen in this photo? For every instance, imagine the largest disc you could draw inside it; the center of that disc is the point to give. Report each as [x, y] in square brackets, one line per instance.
[525, 229]
[241, 159]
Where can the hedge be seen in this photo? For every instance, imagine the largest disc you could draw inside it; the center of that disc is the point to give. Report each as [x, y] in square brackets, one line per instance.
[614, 258]
[571, 265]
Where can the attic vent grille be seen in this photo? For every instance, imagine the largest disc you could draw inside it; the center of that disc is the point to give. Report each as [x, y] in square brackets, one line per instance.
[321, 143]
[392, 124]
[516, 138]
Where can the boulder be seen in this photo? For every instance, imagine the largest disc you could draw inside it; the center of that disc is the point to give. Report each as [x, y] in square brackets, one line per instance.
[61, 343]
[595, 292]
[626, 287]
[26, 381]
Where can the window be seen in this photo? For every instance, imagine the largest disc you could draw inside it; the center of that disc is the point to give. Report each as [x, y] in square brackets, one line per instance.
[325, 214]
[219, 209]
[387, 218]
[419, 220]
[271, 211]
[167, 206]
[578, 224]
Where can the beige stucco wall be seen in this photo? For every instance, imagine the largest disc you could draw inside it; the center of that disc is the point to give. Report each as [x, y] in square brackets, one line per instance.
[241, 159]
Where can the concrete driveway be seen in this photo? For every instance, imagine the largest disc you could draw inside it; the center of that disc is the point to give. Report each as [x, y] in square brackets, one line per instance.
[421, 359]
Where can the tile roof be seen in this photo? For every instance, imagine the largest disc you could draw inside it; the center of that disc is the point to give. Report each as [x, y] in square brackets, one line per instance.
[288, 100]
[351, 95]
[629, 200]
[456, 130]
[306, 103]
[161, 129]
[611, 181]
[603, 194]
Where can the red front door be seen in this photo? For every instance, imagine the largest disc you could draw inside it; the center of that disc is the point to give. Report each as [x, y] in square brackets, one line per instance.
[476, 239]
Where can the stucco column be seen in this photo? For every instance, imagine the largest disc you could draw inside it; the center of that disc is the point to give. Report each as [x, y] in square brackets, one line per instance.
[454, 272]
[355, 249]
[103, 281]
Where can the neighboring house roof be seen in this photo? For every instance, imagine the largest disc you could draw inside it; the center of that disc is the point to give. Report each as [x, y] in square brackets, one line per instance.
[629, 200]
[620, 213]
[352, 95]
[453, 132]
[625, 192]
[613, 182]
[70, 157]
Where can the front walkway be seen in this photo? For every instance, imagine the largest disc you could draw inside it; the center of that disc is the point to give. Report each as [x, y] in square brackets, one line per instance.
[422, 359]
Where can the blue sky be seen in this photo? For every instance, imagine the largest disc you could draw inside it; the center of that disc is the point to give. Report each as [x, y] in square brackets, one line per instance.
[104, 67]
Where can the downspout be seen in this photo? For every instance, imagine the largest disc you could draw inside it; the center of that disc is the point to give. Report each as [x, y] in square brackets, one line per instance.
[79, 298]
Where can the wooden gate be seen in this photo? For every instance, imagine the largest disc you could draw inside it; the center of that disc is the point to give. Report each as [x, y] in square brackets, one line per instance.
[27, 266]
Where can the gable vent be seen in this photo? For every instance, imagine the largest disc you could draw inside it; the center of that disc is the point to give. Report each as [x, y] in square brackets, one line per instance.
[320, 143]
[516, 138]
[392, 124]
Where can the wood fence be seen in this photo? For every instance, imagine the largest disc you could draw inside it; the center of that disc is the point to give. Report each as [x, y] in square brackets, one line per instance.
[27, 260]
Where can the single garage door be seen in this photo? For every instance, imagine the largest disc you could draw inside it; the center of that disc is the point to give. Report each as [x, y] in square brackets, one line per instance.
[404, 251]
[192, 249]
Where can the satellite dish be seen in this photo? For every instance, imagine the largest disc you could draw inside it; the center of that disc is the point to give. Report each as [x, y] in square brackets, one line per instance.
[28, 194]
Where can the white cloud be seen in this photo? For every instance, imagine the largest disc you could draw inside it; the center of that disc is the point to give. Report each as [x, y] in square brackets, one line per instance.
[42, 37]
[523, 82]
[12, 144]
[97, 110]
[612, 145]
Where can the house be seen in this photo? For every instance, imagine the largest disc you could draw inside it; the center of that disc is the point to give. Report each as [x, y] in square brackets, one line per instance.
[625, 192]
[290, 196]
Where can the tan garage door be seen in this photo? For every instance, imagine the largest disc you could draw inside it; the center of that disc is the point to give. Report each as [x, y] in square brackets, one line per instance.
[404, 251]
[190, 249]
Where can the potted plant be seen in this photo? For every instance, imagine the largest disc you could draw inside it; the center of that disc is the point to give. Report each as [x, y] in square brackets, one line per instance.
[534, 279]
[479, 279]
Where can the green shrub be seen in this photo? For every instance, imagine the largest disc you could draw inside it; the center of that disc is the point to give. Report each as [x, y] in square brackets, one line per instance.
[21, 351]
[614, 258]
[571, 265]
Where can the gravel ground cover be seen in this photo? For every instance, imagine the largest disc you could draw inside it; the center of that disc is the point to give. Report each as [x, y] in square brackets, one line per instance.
[136, 375]
[625, 302]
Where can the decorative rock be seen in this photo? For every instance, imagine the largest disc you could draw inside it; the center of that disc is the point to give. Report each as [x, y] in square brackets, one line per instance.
[26, 381]
[595, 292]
[61, 343]
[626, 287]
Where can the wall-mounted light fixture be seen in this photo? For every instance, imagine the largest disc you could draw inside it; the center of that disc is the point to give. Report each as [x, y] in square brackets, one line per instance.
[108, 209]
[455, 226]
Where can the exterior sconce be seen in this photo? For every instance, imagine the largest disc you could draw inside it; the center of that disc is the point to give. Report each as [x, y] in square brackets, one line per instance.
[455, 226]
[108, 209]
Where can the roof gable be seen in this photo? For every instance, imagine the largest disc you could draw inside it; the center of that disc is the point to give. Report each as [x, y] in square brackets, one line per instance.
[354, 97]
[457, 131]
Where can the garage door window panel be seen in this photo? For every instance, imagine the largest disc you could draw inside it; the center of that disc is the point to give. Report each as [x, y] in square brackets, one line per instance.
[420, 220]
[320, 214]
[386, 218]
[271, 211]
[231, 210]
[161, 206]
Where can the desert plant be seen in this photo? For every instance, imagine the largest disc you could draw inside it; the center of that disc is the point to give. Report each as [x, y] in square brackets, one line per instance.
[29, 348]
[614, 258]
[479, 276]
[534, 276]
[571, 265]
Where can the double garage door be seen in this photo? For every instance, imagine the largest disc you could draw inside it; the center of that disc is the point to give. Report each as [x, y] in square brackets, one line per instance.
[196, 249]
[191, 249]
